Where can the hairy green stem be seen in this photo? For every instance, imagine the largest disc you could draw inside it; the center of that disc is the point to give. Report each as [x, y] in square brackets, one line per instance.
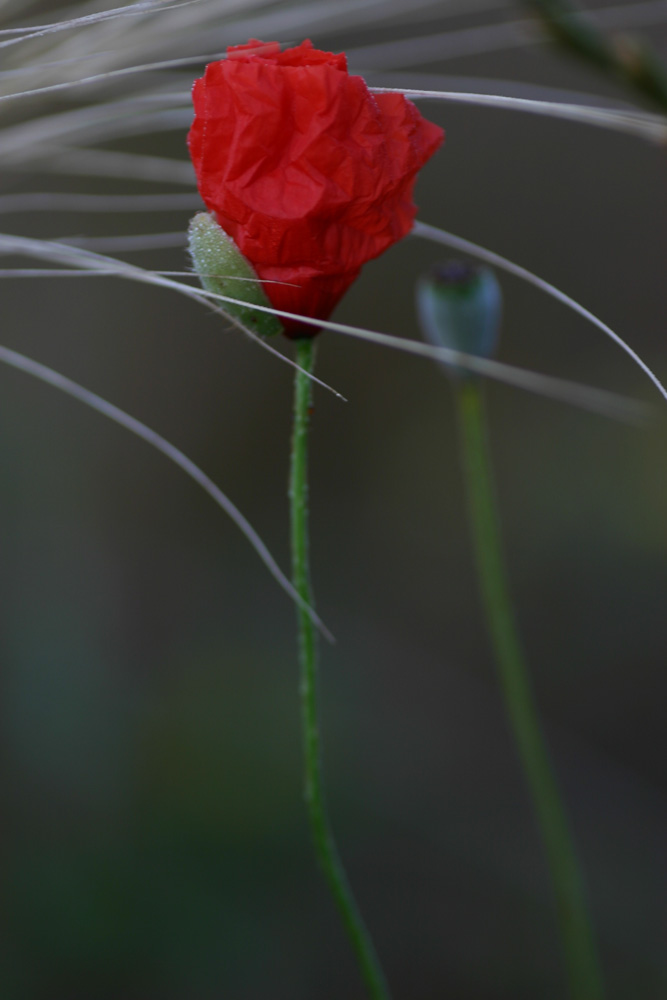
[325, 846]
[581, 959]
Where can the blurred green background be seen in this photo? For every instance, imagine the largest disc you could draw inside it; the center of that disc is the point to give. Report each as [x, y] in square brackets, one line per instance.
[155, 844]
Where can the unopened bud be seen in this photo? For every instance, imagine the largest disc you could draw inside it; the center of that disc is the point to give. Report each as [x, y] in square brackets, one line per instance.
[222, 268]
[459, 306]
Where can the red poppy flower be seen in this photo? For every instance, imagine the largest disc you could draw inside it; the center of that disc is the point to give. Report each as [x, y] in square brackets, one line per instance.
[308, 172]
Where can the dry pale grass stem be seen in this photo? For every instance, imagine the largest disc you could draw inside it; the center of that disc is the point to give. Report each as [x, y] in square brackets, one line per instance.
[97, 74]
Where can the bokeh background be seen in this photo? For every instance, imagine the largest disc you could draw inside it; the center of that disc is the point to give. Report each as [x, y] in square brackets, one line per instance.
[154, 839]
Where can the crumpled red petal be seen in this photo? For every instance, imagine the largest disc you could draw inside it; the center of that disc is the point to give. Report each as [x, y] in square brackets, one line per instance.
[309, 173]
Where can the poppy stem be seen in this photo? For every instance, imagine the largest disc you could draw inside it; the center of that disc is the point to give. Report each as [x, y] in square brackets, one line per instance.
[325, 846]
[583, 970]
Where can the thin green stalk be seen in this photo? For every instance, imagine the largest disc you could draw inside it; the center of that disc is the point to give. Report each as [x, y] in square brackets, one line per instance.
[631, 62]
[325, 846]
[581, 958]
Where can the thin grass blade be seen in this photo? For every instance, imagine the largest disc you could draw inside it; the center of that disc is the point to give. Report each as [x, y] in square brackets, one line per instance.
[436, 235]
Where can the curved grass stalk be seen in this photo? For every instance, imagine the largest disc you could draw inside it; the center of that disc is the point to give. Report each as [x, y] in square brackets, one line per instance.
[63, 252]
[487, 38]
[41, 68]
[443, 45]
[546, 385]
[144, 241]
[595, 400]
[93, 123]
[138, 114]
[457, 243]
[313, 16]
[61, 272]
[646, 126]
[89, 124]
[405, 80]
[175, 455]
[113, 74]
[133, 10]
[37, 68]
[110, 163]
[324, 13]
[50, 201]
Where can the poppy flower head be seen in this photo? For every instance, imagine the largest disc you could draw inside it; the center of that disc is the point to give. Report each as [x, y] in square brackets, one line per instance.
[309, 172]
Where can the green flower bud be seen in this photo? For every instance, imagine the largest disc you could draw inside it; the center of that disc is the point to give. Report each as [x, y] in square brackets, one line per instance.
[459, 306]
[224, 270]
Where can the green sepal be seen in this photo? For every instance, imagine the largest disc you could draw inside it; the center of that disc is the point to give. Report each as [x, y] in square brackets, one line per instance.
[222, 268]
